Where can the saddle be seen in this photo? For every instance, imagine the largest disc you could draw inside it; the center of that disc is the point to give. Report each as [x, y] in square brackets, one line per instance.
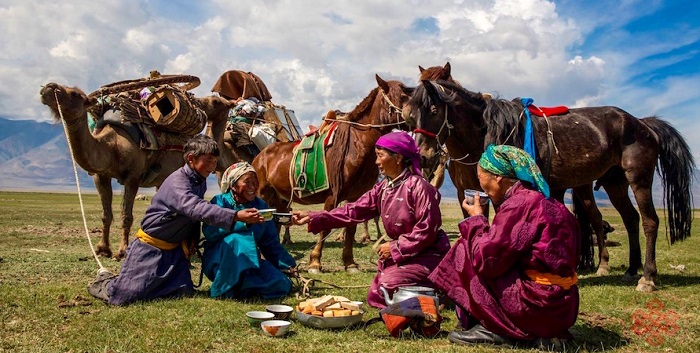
[308, 173]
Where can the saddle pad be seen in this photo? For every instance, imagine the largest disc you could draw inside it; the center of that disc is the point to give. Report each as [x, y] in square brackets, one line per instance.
[548, 111]
[309, 174]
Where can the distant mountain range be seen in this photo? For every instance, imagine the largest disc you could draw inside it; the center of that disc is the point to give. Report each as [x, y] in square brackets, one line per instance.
[34, 156]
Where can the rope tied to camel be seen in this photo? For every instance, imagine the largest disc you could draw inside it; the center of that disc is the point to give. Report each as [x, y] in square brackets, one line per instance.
[77, 182]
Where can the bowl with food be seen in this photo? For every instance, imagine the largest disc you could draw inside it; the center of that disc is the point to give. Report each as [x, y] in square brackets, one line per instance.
[281, 312]
[267, 213]
[282, 218]
[255, 318]
[275, 328]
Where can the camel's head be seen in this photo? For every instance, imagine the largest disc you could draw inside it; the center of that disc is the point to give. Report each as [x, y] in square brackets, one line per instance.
[73, 102]
[215, 107]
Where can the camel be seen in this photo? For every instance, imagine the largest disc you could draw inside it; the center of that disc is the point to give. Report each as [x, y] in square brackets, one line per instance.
[115, 142]
[109, 154]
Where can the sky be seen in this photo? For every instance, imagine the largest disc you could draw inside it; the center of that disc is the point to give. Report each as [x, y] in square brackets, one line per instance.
[314, 56]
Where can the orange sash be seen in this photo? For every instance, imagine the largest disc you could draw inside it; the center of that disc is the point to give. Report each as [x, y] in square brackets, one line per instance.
[161, 244]
[552, 279]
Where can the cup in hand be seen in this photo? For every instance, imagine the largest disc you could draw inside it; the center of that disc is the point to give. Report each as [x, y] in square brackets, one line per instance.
[469, 196]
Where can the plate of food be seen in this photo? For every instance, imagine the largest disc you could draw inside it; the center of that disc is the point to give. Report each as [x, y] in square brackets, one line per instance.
[329, 312]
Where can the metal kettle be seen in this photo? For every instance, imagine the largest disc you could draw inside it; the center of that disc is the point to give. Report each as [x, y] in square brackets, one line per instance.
[403, 293]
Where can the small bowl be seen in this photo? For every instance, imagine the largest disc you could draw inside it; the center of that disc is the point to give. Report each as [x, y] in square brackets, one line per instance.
[282, 218]
[469, 196]
[267, 213]
[275, 328]
[255, 318]
[281, 312]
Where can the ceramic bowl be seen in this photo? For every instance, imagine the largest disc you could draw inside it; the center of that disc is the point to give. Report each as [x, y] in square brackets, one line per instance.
[275, 328]
[257, 317]
[469, 196]
[267, 213]
[281, 312]
[282, 218]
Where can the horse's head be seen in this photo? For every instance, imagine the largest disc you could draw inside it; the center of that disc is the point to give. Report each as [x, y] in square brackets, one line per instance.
[393, 96]
[436, 73]
[426, 112]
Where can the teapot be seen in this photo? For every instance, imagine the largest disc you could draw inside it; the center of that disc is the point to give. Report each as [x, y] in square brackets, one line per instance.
[403, 293]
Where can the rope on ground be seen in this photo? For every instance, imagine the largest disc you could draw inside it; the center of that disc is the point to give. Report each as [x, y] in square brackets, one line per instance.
[304, 284]
[77, 182]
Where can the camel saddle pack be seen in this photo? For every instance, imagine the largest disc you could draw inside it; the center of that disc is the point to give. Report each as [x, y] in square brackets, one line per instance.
[158, 118]
[308, 172]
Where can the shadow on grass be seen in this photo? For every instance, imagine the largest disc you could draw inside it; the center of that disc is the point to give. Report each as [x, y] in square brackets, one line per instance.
[663, 280]
[592, 337]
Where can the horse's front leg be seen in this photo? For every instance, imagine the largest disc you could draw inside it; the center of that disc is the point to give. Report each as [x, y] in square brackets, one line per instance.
[315, 255]
[131, 188]
[348, 258]
[104, 189]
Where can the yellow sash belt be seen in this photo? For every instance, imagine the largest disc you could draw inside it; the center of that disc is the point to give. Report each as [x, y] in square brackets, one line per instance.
[552, 279]
[162, 244]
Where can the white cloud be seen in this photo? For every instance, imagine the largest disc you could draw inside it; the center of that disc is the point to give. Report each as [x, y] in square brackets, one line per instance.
[317, 55]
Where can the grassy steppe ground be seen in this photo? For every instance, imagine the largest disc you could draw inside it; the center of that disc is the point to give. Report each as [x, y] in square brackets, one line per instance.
[45, 265]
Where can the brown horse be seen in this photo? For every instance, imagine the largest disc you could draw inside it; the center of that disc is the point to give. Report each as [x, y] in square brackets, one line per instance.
[595, 143]
[350, 161]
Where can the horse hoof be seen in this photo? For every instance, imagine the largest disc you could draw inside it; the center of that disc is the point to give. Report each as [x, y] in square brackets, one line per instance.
[645, 286]
[352, 270]
[314, 271]
[602, 272]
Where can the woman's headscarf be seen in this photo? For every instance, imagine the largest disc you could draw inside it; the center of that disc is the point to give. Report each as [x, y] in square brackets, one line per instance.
[513, 162]
[402, 143]
[233, 173]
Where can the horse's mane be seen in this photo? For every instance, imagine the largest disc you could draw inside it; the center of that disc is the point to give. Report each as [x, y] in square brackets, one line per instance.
[503, 122]
[363, 106]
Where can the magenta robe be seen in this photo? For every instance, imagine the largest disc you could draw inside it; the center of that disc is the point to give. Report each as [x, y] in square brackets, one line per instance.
[410, 212]
[484, 271]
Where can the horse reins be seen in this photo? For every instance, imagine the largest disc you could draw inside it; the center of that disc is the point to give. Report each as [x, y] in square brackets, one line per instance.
[436, 136]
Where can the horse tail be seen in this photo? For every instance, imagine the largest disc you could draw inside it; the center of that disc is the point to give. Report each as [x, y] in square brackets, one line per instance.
[676, 166]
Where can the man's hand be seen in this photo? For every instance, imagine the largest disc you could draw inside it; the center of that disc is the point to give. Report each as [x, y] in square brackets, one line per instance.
[249, 216]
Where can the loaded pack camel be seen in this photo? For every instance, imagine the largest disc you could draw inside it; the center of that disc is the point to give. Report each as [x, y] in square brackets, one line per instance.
[111, 153]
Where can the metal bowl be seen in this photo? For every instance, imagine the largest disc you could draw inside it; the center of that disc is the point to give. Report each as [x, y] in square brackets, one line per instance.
[328, 322]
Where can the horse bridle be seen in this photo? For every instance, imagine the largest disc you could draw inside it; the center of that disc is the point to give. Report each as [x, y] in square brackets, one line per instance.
[436, 136]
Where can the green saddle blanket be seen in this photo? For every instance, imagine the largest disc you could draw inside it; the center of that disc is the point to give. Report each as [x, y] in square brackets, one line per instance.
[309, 173]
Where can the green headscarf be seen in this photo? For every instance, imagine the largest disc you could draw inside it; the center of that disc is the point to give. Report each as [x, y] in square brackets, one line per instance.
[513, 162]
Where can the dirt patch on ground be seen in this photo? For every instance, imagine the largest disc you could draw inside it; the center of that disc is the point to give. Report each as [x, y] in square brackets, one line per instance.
[57, 230]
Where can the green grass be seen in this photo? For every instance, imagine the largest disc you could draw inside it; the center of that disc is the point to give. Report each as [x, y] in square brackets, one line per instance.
[46, 264]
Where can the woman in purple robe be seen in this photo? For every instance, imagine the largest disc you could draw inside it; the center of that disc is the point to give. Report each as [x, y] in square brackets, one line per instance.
[410, 211]
[514, 282]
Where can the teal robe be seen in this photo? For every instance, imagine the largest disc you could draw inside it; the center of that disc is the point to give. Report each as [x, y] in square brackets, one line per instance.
[232, 259]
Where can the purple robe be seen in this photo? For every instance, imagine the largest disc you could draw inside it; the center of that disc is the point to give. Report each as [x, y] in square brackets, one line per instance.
[174, 215]
[410, 211]
[484, 271]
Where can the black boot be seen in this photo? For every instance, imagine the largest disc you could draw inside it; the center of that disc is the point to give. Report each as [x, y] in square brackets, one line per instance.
[478, 335]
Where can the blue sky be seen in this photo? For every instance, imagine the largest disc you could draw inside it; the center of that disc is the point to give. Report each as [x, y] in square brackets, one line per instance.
[642, 56]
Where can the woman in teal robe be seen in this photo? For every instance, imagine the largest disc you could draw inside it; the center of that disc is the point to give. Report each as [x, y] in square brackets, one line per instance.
[232, 258]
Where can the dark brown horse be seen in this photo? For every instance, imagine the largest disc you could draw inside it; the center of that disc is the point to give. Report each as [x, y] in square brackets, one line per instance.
[463, 175]
[595, 143]
[350, 161]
